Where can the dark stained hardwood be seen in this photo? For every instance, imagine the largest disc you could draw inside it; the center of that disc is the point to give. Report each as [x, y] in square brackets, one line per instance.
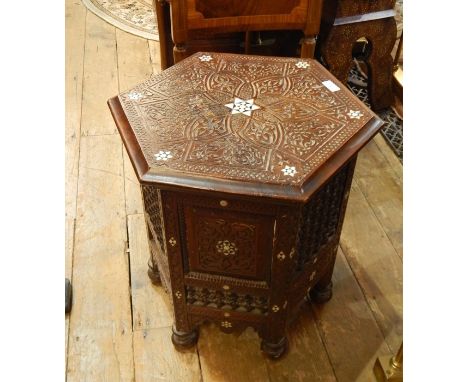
[344, 22]
[246, 164]
[195, 94]
[189, 26]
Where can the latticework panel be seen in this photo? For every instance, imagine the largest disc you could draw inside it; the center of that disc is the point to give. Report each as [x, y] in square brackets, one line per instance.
[153, 210]
[226, 300]
[320, 218]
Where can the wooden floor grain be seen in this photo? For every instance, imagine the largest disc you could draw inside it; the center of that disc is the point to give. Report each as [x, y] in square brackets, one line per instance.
[120, 325]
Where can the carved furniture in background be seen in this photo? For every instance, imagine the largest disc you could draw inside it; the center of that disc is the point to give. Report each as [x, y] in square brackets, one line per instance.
[189, 26]
[346, 21]
[396, 60]
[245, 165]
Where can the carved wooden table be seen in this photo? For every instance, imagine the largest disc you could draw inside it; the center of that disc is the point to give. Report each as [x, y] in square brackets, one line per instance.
[245, 164]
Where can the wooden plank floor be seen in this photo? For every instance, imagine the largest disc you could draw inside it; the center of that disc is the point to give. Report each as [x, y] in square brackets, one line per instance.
[120, 324]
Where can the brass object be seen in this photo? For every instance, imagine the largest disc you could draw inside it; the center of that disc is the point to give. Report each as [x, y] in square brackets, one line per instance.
[388, 368]
[281, 256]
[275, 308]
[226, 287]
[226, 324]
[172, 241]
[223, 203]
[178, 295]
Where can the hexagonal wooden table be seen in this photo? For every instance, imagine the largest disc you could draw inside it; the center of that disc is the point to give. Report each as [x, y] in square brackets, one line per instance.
[245, 165]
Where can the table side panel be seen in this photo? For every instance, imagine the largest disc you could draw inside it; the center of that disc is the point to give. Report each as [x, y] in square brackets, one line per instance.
[223, 241]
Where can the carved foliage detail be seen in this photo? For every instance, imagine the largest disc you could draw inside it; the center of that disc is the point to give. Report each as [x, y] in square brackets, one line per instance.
[182, 110]
[226, 246]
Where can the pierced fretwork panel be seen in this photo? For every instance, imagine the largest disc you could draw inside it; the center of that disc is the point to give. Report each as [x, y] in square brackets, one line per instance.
[226, 300]
[153, 210]
[320, 218]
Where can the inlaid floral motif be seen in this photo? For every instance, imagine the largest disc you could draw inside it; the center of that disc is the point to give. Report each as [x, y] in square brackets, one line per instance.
[281, 256]
[302, 64]
[226, 324]
[135, 96]
[163, 155]
[355, 114]
[190, 118]
[205, 58]
[289, 170]
[226, 247]
[234, 253]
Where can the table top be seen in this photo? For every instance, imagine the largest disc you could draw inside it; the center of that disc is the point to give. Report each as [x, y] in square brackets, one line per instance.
[254, 125]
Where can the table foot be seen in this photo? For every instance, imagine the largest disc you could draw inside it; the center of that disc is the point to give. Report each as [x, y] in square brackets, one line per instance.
[184, 339]
[321, 295]
[275, 350]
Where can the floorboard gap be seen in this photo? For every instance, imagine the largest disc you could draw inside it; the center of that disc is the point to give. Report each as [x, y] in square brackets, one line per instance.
[127, 250]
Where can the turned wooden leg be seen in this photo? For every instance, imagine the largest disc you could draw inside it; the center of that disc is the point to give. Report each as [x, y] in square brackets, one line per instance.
[308, 47]
[275, 350]
[321, 294]
[153, 271]
[322, 291]
[184, 339]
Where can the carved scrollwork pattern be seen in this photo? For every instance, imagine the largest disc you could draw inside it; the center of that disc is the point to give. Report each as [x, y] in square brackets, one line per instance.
[226, 246]
[296, 118]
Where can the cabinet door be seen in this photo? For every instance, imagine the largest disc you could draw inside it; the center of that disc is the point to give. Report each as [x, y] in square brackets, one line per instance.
[234, 240]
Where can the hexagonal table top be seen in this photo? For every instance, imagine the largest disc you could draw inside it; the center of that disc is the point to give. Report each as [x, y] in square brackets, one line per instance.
[266, 125]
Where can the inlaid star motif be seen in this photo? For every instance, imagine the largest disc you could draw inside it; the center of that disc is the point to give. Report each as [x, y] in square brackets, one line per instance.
[205, 58]
[289, 170]
[355, 114]
[163, 155]
[242, 106]
[135, 96]
[302, 65]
